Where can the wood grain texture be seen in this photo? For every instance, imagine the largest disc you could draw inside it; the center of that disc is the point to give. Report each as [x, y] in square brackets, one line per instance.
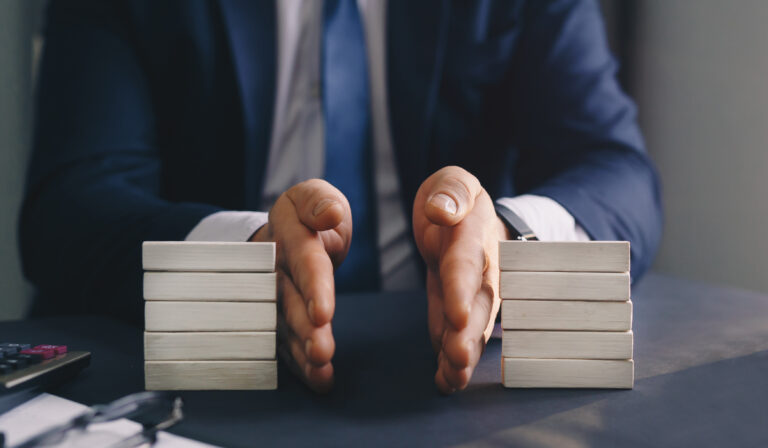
[589, 256]
[210, 316]
[565, 286]
[567, 344]
[211, 346]
[208, 256]
[569, 373]
[210, 375]
[566, 315]
[226, 286]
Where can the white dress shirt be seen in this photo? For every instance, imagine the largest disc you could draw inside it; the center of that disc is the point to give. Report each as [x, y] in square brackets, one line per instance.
[297, 150]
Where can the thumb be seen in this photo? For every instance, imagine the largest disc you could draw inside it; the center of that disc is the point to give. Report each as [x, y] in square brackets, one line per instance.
[451, 194]
[319, 205]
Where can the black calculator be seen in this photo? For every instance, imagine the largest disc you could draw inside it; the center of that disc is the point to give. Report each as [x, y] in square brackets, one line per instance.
[24, 366]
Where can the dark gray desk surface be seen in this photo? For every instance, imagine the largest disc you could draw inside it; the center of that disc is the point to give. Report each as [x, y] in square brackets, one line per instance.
[701, 357]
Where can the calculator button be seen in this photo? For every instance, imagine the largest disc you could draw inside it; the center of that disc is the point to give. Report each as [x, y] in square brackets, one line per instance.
[39, 353]
[6, 368]
[17, 363]
[7, 351]
[30, 359]
[12, 348]
[58, 349]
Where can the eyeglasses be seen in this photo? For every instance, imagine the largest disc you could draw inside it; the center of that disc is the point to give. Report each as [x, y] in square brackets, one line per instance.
[155, 411]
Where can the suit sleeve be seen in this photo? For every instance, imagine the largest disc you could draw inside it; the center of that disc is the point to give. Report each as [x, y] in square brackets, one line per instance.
[579, 140]
[93, 191]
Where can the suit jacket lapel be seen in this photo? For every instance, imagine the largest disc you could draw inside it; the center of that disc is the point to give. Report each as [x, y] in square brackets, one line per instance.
[416, 35]
[252, 34]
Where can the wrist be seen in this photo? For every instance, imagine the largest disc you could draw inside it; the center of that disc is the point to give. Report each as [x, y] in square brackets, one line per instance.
[517, 228]
[262, 234]
[502, 229]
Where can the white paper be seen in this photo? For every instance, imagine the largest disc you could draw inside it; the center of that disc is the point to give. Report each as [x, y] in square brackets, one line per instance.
[46, 410]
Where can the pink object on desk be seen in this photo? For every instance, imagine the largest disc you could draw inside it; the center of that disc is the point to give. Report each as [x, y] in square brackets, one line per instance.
[58, 349]
[45, 354]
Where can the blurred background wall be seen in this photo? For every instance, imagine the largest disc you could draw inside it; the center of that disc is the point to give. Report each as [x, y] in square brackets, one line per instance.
[697, 70]
[700, 76]
[17, 24]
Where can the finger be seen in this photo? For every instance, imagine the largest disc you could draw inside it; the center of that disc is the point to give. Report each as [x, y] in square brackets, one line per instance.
[491, 281]
[311, 208]
[320, 377]
[463, 348]
[440, 380]
[312, 273]
[461, 274]
[317, 378]
[435, 316]
[284, 352]
[457, 379]
[302, 256]
[318, 342]
[295, 359]
[319, 205]
[336, 243]
[451, 194]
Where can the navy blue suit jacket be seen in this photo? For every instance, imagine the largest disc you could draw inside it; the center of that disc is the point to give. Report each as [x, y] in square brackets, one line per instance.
[153, 114]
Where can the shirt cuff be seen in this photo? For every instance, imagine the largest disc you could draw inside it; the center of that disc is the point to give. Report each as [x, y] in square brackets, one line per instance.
[548, 219]
[228, 226]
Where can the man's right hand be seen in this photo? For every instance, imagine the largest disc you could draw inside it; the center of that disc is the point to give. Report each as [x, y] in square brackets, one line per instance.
[311, 224]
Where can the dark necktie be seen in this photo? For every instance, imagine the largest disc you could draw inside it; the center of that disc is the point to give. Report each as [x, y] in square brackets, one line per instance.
[348, 155]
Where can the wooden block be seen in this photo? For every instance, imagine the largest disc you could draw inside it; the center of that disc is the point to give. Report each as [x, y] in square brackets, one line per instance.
[565, 286]
[590, 256]
[567, 344]
[566, 315]
[210, 286]
[210, 316]
[210, 375]
[208, 256]
[211, 346]
[572, 373]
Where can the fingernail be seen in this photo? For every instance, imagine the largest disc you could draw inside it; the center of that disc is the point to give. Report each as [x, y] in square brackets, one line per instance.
[311, 310]
[308, 346]
[444, 202]
[322, 206]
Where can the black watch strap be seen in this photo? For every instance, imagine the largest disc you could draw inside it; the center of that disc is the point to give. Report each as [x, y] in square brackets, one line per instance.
[517, 227]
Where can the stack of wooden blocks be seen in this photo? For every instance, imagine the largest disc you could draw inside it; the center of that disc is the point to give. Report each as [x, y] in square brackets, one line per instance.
[210, 316]
[566, 314]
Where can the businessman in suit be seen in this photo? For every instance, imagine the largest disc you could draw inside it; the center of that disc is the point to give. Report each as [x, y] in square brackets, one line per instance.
[295, 121]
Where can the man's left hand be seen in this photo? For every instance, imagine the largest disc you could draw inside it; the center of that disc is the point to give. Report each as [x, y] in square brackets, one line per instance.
[457, 233]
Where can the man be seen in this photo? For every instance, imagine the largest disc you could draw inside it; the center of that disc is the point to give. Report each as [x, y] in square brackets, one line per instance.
[183, 119]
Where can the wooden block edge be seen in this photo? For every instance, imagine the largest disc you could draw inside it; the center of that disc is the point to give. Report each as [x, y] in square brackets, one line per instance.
[271, 386]
[625, 387]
